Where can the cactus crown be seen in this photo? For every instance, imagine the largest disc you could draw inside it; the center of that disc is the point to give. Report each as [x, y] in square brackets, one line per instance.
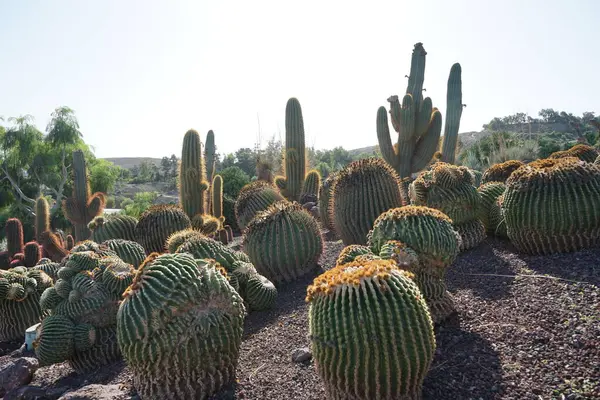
[581, 151]
[549, 171]
[500, 172]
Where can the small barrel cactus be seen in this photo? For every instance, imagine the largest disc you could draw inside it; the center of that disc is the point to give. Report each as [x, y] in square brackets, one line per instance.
[310, 188]
[325, 193]
[362, 191]
[157, 223]
[254, 198]
[131, 252]
[552, 206]
[489, 208]
[429, 234]
[383, 342]
[284, 242]
[450, 189]
[581, 151]
[501, 172]
[206, 224]
[180, 328]
[114, 226]
[20, 290]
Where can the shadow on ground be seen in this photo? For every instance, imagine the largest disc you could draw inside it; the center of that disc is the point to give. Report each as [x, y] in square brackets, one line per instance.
[465, 367]
[102, 375]
[582, 266]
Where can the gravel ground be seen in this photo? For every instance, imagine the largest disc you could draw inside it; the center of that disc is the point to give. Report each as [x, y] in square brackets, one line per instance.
[527, 328]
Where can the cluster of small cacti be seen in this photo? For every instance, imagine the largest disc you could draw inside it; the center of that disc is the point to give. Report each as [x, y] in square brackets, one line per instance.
[451, 189]
[83, 303]
[20, 291]
[183, 312]
[19, 254]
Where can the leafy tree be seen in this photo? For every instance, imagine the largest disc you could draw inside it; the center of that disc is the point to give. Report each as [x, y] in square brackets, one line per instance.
[103, 176]
[234, 179]
[246, 160]
[139, 204]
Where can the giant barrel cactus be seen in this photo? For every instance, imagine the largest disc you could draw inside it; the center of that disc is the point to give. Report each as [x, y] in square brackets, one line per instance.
[553, 206]
[20, 291]
[371, 332]
[450, 189]
[157, 223]
[428, 233]
[180, 328]
[361, 192]
[131, 252]
[84, 303]
[581, 151]
[115, 226]
[253, 198]
[284, 242]
[500, 172]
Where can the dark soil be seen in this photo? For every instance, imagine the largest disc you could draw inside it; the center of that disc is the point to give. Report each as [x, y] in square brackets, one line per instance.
[527, 328]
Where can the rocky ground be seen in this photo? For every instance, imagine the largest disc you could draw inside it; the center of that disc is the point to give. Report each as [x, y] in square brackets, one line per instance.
[527, 328]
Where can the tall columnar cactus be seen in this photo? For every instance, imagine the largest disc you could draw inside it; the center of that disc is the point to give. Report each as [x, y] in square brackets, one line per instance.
[192, 176]
[42, 217]
[253, 198]
[416, 121]
[552, 206]
[454, 107]
[361, 192]
[500, 172]
[114, 226]
[450, 189]
[489, 209]
[209, 153]
[217, 198]
[20, 290]
[371, 331]
[53, 247]
[157, 223]
[69, 242]
[14, 236]
[581, 151]
[310, 189]
[295, 156]
[83, 206]
[325, 204]
[32, 254]
[83, 303]
[184, 313]
[428, 233]
[284, 242]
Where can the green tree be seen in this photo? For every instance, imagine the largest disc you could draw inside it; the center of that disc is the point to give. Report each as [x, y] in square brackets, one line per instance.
[103, 176]
[141, 202]
[234, 179]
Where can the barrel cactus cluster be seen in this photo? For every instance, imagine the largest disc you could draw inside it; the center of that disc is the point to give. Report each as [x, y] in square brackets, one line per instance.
[83, 304]
[450, 189]
[180, 328]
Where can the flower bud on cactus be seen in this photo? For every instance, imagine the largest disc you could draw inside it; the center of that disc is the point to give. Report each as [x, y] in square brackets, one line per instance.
[184, 313]
[157, 223]
[284, 242]
[501, 172]
[430, 234]
[552, 206]
[254, 198]
[115, 226]
[371, 332]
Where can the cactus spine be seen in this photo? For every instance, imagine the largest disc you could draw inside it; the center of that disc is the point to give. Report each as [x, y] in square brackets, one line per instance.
[454, 109]
[192, 176]
[295, 156]
[83, 206]
[372, 334]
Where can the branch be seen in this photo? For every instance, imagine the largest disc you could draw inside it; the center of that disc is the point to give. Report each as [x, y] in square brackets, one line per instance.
[16, 187]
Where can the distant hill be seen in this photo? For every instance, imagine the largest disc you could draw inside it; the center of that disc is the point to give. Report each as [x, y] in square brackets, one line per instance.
[130, 162]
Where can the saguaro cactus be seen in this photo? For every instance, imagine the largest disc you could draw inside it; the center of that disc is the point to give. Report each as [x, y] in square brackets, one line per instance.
[83, 206]
[295, 156]
[454, 107]
[192, 176]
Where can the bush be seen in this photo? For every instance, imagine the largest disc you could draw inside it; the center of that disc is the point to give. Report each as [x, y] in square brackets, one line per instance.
[234, 179]
[139, 204]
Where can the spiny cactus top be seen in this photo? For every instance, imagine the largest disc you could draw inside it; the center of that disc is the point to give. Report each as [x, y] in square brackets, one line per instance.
[159, 222]
[361, 192]
[284, 242]
[184, 313]
[501, 172]
[253, 198]
[553, 206]
[180, 237]
[580, 151]
[20, 290]
[115, 226]
[375, 300]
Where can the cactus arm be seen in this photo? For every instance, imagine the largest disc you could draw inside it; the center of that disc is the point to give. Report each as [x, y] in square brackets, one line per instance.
[427, 144]
[384, 139]
[424, 117]
[406, 136]
[417, 75]
[453, 114]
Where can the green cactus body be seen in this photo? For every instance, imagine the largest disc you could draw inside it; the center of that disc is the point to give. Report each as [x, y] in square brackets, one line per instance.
[32, 254]
[180, 328]
[202, 247]
[131, 252]
[454, 109]
[500, 172]
[209, 153]
[48, 267]
[383, 342]
[416, 121]
[351, 252]
[83, 305]
[42, 217]
[295, 156]
[192, 176]
[361, 192]
[325, 194]
[310, 189]
[115, 226]
[581, 151]
[157, 223]
[430, 234]
[254, 198]
[217, 198]
[14, 236]
[284, 242]
[20, 291]
[488, 207]
[476, 177]
[180, 237]
[450, 189]
[553, 206]
[83, 206]
[70, 242]
[258, 292]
